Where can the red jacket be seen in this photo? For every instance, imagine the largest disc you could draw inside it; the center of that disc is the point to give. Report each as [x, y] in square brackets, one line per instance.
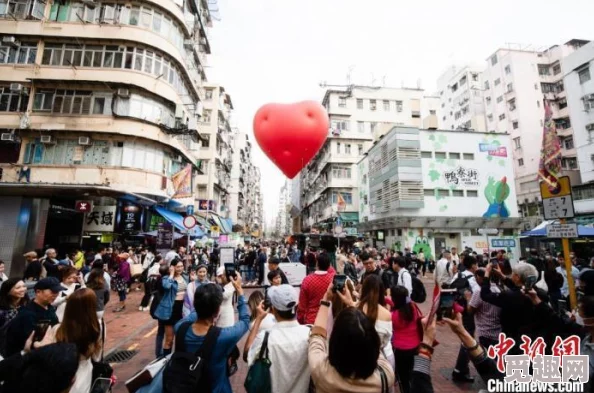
[312, 291]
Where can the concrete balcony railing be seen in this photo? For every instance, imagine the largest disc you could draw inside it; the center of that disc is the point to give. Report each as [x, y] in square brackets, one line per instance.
[119, 178]
[563, 132]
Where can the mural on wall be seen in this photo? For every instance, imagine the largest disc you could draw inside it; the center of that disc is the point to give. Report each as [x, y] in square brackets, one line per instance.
[421, 242]
[457, 176]
[496, 193]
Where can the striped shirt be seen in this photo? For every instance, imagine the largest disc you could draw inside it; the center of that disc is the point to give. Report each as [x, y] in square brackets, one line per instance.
[487, 316]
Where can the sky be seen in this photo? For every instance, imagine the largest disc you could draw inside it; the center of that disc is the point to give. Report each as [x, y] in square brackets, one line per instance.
[281, 50]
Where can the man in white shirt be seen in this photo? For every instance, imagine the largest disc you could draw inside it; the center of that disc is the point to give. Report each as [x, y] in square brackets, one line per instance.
[404, 277]
[287, 343]
[455, 256]
[444, 269]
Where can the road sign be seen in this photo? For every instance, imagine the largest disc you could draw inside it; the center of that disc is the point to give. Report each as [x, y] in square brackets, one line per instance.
[83, 206]
[559, 203]
[338, 229]
[562, 231]
[488, 231]
[190, 222]
[190, 210]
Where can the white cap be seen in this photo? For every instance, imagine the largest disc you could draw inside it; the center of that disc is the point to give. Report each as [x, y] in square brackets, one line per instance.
[283, 297]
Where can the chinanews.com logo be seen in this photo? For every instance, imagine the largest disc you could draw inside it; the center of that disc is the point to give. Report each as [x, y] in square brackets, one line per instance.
[565, 370]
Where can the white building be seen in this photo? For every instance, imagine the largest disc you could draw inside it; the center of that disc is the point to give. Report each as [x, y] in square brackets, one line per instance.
[460, 91]
[516, 82]
[358, 116]
[283, 219]
[579, 84]
[431, 189]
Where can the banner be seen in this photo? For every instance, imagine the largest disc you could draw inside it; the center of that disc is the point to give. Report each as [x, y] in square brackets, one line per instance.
[182, 183]
[550, 154]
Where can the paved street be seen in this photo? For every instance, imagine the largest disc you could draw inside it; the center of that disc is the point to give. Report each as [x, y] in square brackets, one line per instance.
[135, 330]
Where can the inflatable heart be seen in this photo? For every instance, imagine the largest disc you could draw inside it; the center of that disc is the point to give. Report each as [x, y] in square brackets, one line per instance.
[291, 134]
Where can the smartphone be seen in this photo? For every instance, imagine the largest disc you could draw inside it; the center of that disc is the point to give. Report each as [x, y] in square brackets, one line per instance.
[339, 282]
[563, 309]
[529, 284]
[40, 330]
[101, 385]
[77, 287]
[446, 304]
[230, 271]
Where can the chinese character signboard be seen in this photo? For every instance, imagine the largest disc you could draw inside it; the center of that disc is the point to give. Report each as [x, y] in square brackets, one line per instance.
[100, 219]
[503, 243]
[562, 231]
[462, 177]
[130, 218]
[493, 149]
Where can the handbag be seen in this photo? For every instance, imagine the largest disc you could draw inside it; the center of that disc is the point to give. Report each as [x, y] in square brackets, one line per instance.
[101, 369]
[135, 269]
[258, 377]
[384, 378]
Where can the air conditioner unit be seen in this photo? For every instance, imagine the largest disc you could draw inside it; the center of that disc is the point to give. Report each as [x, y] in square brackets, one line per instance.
[16, 87]
[590, 127]
[47, 139]
[123, 93]
[10, 40]
[84, 140]
[179, 112]
[7, 137]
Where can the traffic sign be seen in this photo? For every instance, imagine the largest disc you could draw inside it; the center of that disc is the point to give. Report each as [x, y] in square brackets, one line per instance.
[190, 210]
[190, 222]
[338, 229]
[488, 231]
[562, 231]
[557, 203]
[83, 206]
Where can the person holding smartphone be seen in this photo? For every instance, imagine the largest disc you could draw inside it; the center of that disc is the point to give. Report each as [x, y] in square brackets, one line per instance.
[72, 280]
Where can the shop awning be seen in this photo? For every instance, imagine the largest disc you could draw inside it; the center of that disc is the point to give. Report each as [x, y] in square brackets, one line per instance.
[177, 221]
[349, 217]
[227, 225]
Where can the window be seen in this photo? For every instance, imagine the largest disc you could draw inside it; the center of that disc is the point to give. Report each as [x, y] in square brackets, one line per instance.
[512, 104]
[497, 81]
[547, 87]
[463, 80]
[347, 148]
[386, 105]
[584, 75]
[468, 156]
[490, 117]
[439, 155]
[538, 105]
[515, 125]
[360, 149]
[341, 172]
[398, 106]
[458, 193]
[429, 192]
[569, 163]
[494, 59]
[499, 99]
[338, 147]
[443, 193]
[517, 143]
[205, 140]
[563, 103]
[556, 69]
[347, 196]
[13, 101]
[543, 69]
[510, 87]
[372, 126]
[432, 112]
[361, 126]
[588, 104]
[488, 100]
[568, 143]
[507, 69]
[475, 77]
[472, 193]
[23, 54]
[359, 103]
[372, 105]
[208, 94]
[426, 154]
[521, 162]
[342, 102]
[207, 116]
[454, 87]
[454, 156]
[502, 116]
[486, 85]
[342, 124]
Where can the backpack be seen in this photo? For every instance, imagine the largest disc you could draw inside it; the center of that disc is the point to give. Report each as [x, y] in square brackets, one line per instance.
[258, 377]
[460, 283]
[419, 294]
[188, 372]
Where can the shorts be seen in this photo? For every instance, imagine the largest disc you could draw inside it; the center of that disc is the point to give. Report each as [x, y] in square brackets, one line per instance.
[176, 313]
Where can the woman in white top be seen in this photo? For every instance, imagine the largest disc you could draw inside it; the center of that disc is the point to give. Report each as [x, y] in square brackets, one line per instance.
[227, 314]
[71, 280]
[254, 302]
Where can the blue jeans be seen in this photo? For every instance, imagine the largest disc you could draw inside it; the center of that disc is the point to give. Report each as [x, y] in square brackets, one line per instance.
[159, 339]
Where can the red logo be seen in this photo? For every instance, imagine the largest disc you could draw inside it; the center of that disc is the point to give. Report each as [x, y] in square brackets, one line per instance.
[83, 206]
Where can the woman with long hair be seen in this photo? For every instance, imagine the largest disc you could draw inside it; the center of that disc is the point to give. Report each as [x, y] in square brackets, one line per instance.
[71, 280]
[80, 326]
[96, 282]
[373, 304]
[407, 336]
[13, 296]
[201, 279]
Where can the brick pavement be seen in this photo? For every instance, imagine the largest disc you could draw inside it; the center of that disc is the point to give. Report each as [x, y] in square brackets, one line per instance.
[136, 330]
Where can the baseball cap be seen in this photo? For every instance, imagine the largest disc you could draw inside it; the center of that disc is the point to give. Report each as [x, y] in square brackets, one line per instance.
[283, 297]
[50, 283]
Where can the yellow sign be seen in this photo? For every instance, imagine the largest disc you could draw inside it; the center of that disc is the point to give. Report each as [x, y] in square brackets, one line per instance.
[215, 228]
[564, 188]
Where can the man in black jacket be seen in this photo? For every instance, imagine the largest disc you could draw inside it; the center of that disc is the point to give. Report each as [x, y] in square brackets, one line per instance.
[370, 267]
[390, 275]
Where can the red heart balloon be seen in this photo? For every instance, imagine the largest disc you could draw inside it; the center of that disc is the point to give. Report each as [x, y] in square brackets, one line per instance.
[291, 134]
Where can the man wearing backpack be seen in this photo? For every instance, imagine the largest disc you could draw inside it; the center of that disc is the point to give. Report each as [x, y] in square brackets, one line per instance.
[404, 276]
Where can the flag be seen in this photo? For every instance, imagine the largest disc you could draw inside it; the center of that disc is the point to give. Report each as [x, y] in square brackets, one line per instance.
[549, 168]
[435, 304]
[341, 205]
[182, 183]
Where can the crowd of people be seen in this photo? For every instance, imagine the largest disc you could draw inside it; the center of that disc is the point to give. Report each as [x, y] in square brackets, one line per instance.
[354, 325]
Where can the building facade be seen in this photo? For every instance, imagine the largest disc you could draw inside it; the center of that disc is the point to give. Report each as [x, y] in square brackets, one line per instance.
[516, 83]
[460, 91]
[99, 102]
[284, 222]
[358, 116]
[432, 189]
[578, 69]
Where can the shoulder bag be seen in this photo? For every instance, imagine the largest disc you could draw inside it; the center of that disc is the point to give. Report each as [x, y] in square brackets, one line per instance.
[258, 377]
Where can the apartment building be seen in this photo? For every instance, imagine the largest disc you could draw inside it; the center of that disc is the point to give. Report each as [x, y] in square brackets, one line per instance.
[245, 202]
[460, 90]
[433, 189]
[578, 70]
[284, 222]
[516, 83]
[216, 153]
[99, 103]
[359, 115]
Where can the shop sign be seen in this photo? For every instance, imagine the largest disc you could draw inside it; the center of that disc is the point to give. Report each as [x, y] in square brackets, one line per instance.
[83, 206]
[462, 177]
[493, 149]
[100, 219]
[164, 236]
[503, 243]
[130, 218]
